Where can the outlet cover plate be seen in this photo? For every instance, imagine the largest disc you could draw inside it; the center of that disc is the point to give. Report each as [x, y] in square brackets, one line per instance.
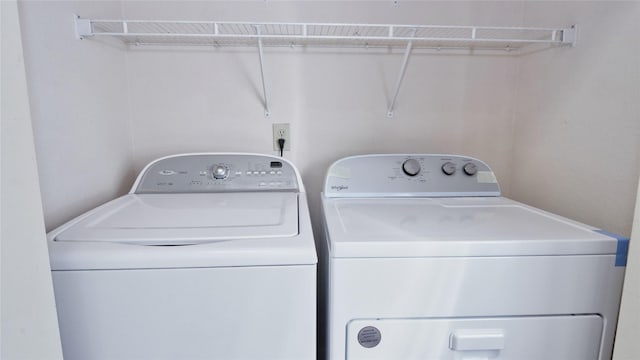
[281, 131]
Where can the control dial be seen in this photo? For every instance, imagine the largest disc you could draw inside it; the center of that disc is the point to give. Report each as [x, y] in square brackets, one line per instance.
[470, 169]
[220, 171]
[449, 168]
[411, 167]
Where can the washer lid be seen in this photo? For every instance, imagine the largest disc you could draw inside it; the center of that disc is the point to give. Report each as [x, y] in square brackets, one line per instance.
[439, 227]
[184, 219]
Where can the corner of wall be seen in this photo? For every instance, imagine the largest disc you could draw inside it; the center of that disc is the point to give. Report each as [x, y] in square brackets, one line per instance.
[29, 321]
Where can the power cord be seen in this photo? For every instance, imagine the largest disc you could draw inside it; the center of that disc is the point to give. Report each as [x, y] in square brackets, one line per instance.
[281, 145]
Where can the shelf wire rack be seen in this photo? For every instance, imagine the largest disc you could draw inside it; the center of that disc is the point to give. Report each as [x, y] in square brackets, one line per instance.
[211, 33]
[409, 37]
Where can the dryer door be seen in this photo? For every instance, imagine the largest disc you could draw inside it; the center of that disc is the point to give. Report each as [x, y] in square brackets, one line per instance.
[504, 338]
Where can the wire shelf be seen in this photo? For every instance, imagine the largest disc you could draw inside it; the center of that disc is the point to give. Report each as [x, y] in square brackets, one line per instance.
[209, 33]
[409, 37]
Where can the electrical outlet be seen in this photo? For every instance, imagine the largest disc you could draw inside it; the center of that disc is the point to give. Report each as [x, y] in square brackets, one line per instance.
[281, 131]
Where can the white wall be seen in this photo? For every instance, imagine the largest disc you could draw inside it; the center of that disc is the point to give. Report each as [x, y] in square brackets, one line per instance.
[563, 114]
[577, 138]
[120, 109]
[80, 108]
[336, 101]
[29, 323]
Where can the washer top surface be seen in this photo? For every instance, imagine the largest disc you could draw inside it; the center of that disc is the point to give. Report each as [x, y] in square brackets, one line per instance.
[437, 206]
[195, 210]
[187, 219]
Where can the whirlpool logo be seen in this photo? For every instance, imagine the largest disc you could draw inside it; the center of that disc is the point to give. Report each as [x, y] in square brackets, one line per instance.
[339, 187]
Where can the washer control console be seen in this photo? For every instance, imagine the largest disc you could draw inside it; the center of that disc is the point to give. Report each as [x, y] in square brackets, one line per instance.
[411, 167]
[425, 175]
[220, 171]
[197, 173]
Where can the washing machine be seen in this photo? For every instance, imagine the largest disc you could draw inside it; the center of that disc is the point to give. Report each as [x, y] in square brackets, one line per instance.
[423, 259]
[209, 256]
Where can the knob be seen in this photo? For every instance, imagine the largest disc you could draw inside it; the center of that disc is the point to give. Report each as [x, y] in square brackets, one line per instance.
[470, 169]
[449, 168]
[411, 167]
[220, 172]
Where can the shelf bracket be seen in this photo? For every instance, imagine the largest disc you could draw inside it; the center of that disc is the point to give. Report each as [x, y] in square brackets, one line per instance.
[570, 35]
[267, 112]
[403, 69]
[83, 27]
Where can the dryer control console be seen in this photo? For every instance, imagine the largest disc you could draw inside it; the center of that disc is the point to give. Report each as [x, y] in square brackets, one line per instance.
[410, 175]
[199, 173]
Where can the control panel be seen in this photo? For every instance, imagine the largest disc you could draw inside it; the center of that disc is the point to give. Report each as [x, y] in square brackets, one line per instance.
[198, 173]
[410, 175]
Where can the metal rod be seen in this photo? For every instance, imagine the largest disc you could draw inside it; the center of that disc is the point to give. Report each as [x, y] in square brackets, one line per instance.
[336, 24]
[267, 112]
[403, 69]
[329, 38]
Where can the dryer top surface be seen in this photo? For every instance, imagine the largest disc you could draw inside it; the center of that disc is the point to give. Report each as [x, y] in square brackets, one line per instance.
[468, 226]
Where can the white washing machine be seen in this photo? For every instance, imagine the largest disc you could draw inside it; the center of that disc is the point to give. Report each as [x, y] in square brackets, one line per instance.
[424, 259]
[210, 256]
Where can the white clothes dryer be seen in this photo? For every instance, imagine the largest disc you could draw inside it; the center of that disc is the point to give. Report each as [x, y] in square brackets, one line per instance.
[423, 259]
[210, 256]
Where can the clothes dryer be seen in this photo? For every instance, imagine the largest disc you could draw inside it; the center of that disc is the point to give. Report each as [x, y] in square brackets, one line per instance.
[210, 256]
[423, 259]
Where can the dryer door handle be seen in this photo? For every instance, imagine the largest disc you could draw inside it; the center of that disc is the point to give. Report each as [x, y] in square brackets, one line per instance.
[476, 339]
